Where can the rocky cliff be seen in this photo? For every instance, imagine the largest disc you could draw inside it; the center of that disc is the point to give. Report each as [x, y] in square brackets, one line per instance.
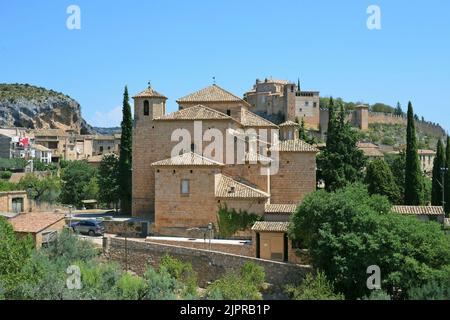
[23, 105]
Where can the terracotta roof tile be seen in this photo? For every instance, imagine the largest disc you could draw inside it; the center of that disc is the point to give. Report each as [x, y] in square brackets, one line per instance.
[418, 210]
[253, 157]
[149, 93]
[426, 152]
[187, 159]
[280, 208]
[293, 146]
[289, 124]
[41, 148]
[268, 226]
[227, 187]
[249, 119]
[198, 112]
[35, 222]
[212, 93]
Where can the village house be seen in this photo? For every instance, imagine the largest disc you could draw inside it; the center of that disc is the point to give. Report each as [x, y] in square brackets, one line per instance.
[42, 227]
[426, 160]
[183, 192]
[14, 202]
[424, 213]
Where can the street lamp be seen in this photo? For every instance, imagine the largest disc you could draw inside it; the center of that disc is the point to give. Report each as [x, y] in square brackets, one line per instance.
[70, 217]
[210, 228]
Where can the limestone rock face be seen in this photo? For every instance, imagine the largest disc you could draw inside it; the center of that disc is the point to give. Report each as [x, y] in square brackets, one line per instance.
[38, 108]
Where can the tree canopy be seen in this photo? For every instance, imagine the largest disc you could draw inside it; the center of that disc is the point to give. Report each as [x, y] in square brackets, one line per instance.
[348, 230]
[341, 162]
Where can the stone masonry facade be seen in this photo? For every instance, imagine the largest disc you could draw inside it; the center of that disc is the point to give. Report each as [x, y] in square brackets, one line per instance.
[182, 191]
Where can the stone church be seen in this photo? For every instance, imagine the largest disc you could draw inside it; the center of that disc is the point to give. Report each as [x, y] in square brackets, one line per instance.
[183, 191]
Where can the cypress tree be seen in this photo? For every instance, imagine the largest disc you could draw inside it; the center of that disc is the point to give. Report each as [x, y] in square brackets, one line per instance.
[331, 123]
[125, 156]
[302, 131]
[447, 177]
[439, 162]
[413, 174]
[341, 162]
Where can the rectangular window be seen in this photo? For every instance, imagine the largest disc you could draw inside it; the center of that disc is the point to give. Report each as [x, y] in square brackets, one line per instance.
[315, 104]
[306, 103]
[185, 187]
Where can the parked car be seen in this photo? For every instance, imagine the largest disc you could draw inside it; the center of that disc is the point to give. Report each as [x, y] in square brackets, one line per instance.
[90, 227]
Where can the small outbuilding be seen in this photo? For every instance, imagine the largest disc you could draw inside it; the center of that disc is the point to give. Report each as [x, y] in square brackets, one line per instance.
[14, 202]
[271, 240]
[43, 227]
[425, 213]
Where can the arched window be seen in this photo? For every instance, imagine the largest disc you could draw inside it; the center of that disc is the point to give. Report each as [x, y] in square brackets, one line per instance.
[146, 108]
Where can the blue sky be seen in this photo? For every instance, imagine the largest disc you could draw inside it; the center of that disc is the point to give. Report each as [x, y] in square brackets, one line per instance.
[181, 45]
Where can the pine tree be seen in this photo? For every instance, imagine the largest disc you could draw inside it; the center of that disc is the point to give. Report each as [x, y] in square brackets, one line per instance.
[447, 177]
[439, 162]
[413, 174]
[298, 85]
[398, 110]
[125, 156]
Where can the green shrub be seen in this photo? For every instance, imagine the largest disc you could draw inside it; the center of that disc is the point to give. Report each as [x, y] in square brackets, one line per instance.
[5, 175]
[433, 290]
[130, 287]
[314, 288]
[232, 287]
[253, 273]
[378, 295]
[182, 272]
[244, 285]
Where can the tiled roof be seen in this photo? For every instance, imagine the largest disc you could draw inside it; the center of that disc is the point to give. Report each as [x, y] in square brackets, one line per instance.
[50, 132]
[35, 222]
[149, 93]
[198, 112]
[280, 208]
[249, 119]
[293, 146]
[418, 210]
[227, 187]
[187, 159]
[366, 145]
[253, 157]
[268, 226]
[372, 153]
[212, 93]
[426, 152]
[289, 124]
[41, 148]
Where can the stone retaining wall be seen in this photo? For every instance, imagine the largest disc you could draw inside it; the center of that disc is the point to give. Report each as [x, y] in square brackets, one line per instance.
[247, 250]
[209, 265]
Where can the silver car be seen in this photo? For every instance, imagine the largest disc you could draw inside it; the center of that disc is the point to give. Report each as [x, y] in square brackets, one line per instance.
[90, 227]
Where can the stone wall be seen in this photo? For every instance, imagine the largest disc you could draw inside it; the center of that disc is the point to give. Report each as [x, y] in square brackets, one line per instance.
[295, 179]
[247, 250]
[384, 118]
[209, 265]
